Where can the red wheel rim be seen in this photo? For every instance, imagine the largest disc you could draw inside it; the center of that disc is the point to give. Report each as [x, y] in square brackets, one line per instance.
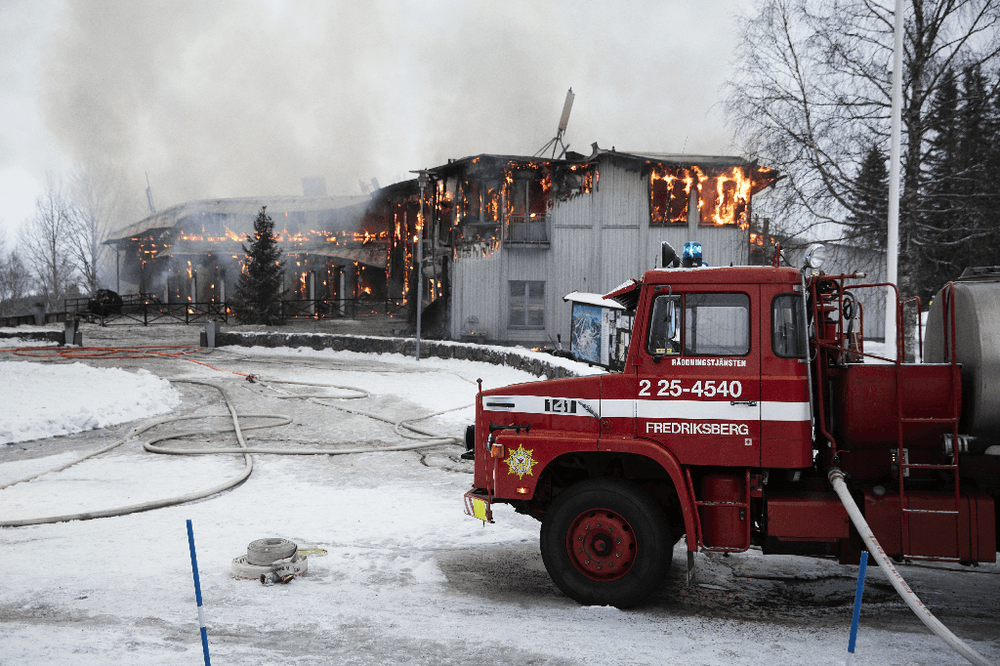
[601, 545]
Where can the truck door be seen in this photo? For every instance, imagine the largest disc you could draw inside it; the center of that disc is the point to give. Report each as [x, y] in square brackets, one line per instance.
[697, 382]
[786, 430]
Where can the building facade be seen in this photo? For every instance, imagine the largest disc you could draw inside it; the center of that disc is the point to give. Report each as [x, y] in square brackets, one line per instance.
[504, 238]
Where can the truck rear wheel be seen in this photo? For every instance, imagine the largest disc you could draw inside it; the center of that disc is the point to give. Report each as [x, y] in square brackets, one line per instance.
[606, 542]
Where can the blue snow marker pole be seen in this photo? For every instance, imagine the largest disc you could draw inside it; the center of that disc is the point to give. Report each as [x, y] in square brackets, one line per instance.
[857, 606]
[197, 594]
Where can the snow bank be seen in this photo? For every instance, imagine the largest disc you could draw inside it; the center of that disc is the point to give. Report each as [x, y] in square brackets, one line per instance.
[42, 400]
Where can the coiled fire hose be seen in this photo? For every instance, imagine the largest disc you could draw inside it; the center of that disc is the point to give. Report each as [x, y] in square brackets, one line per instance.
[423, 441]
[837, 479]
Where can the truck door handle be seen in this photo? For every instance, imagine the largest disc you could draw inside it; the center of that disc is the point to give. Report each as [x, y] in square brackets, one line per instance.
[748, 403]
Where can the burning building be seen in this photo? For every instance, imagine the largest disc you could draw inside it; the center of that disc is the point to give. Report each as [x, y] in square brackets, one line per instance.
[527, 231]
[192, 253]
[504, 238]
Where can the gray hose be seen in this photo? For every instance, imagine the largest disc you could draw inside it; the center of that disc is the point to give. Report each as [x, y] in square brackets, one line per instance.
[155, 504]
[837, 479]
[422, 442]
[421, 435]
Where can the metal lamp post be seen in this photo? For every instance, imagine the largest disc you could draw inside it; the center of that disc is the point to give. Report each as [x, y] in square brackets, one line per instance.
[422, 180]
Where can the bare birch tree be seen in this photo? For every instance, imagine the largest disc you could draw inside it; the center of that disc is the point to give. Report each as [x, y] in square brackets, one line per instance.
[810, 94]
[45, 240]
[98, 204]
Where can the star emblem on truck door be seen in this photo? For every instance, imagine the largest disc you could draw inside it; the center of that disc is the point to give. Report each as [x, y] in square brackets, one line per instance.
[520, 461]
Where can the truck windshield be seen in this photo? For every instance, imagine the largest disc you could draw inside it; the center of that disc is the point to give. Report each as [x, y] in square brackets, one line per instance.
[716, 325]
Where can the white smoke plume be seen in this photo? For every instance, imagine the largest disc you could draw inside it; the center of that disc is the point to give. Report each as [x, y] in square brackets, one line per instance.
[228, 98]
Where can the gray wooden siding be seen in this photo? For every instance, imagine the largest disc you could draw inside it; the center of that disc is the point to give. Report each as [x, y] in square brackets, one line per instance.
[596, 241]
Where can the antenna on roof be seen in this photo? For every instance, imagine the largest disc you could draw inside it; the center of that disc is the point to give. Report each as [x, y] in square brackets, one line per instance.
[557, 142]
[149, 196]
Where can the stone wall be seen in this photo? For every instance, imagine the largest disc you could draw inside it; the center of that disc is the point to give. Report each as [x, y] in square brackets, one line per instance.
[45, 336]
[405, 346]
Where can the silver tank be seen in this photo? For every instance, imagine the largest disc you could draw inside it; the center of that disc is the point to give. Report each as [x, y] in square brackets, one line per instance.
[977, 337]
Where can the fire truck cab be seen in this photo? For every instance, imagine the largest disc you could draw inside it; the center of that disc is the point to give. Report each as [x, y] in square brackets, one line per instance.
[741, 387]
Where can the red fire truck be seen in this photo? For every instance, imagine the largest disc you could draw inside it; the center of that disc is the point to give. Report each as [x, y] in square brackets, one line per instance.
[741, 389]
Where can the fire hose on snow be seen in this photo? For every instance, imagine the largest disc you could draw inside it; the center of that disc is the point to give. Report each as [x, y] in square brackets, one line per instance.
[423, 437]
[837, 479]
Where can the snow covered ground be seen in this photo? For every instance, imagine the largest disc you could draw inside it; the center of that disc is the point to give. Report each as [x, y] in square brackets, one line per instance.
[47, 400]
[399, 574]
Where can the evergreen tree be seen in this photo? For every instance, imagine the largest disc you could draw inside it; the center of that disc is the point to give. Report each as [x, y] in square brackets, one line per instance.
[868, 201]
[991, 202]
[258, 295]
[978, 191]
[959, 217]
[940, 216]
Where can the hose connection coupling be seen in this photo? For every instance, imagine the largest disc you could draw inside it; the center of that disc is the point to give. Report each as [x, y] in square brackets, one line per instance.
[835, 474]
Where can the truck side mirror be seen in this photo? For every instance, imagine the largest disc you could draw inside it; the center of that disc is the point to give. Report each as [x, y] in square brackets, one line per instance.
[668, 256]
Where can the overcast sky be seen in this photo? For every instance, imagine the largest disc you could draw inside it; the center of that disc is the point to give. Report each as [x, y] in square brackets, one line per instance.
[229, 98]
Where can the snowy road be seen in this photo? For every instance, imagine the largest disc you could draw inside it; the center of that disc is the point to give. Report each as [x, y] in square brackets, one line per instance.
[406, 577]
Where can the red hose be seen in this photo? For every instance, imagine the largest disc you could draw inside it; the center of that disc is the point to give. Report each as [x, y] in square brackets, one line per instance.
[179, 352]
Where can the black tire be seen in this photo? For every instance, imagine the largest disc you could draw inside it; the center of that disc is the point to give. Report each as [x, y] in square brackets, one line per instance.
[606, 542]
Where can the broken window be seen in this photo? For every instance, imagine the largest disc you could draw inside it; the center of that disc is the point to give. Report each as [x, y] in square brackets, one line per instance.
[569, 181]
[527, 207]
[669, 193]
[478, 205]
[471, 204]
[723, 196]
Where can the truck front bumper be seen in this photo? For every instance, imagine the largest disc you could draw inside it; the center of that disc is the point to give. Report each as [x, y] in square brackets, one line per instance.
[479, 505]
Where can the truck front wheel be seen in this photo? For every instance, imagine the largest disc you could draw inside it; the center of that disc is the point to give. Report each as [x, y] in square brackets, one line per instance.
[606, 542]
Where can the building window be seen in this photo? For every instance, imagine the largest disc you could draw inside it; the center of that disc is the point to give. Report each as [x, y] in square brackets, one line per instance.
[723, 196]
[669, 195]
[714, 196]
[527, 304]
[716, 325]
[528, 205]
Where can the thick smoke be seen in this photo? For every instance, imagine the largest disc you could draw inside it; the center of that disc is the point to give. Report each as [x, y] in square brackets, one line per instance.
[240, 98]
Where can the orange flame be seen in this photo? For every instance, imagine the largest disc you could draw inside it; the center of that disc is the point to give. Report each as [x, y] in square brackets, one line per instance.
[724, 201]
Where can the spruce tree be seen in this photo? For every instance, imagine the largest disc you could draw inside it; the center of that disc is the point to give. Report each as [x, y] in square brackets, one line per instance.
[940, 221]
[991, 203]
[959, 220]
[978, 191]
[869, 202]
[258, 295]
